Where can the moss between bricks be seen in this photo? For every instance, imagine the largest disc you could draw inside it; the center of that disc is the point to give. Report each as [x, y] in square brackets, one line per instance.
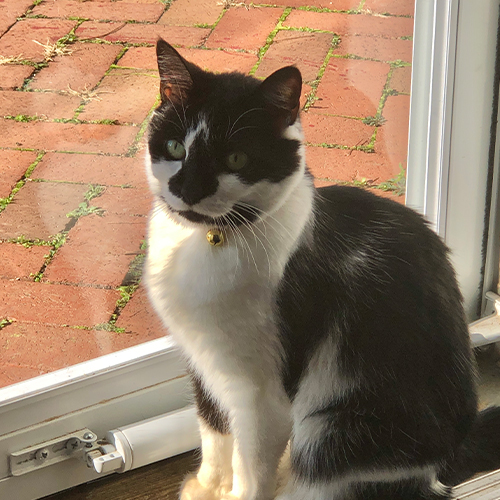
[20, 183]
[84, 208]
[396, 185]
[262, 51]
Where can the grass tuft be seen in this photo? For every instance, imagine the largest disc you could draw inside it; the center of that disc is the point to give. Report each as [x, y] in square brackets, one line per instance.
[11, 60]
[51, 50]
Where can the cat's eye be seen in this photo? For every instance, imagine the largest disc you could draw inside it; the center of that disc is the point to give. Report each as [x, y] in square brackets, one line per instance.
[175, 149]
[236, 161]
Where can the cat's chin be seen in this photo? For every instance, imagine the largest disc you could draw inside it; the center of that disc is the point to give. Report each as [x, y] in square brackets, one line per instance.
[196, 218]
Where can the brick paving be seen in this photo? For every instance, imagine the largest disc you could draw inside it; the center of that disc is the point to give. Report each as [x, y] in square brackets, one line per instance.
[78, 80]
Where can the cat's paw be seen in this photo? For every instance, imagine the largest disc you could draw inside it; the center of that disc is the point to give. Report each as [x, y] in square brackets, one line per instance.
[193, 490]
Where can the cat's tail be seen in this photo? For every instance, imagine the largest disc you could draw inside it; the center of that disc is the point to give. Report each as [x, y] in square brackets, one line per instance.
[480, 452]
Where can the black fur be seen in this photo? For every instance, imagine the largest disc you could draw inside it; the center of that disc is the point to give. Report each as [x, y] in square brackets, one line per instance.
[399, 328]
[208, 409]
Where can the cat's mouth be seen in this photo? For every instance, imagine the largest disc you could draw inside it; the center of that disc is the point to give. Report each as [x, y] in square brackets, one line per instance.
[237, 216]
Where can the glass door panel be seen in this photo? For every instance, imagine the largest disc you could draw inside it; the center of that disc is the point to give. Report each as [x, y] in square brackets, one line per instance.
[77, 94]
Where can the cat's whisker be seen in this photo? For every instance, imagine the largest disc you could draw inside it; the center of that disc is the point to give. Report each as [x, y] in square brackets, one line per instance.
[240, 129]
[177, 113]
[226, 219]
[259, 214]
[256, 226]
[240, 117]
[246, 242]
[250, 226]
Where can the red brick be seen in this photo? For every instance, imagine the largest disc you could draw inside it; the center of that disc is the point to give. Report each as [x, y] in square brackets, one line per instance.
[10, 10]
[397, 7]
[352, 24]
[13, 165]
[39, 210]
[139, 317]
[13, 76]
[191, 12]
[21, 262]
[101, 10]
[321, 129]
[393, 135]
[351, 87]
[145, 33]
[55, 304]
[232, 31]
[92, 169]
[92, 30]
[44, 348]
[82, 69]
[98, 250]
[139, 57]
[401, 80]
[125, 201]
[84, 138]
[323, 4]
[45, 105]
[220, 61]
[127, 97]
[19, 39]
[348, 165]
[380, 49]
[12, 374]
[306, 50]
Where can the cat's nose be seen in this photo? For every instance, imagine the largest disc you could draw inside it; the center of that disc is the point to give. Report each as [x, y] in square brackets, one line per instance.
[191, 189]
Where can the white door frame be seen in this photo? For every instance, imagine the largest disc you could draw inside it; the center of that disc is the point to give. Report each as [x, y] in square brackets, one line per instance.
[451, 114]
[449, 168]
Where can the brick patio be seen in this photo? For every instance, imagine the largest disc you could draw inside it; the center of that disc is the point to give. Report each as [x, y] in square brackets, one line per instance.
[73, 113]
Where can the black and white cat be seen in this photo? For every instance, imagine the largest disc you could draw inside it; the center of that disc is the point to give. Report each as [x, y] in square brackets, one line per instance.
[328, 318]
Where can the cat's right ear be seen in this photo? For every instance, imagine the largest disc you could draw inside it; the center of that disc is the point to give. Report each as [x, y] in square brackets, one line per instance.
[281, 92]
[175, 78]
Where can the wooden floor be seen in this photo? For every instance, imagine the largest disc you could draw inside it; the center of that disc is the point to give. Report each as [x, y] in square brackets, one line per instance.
[158, 481]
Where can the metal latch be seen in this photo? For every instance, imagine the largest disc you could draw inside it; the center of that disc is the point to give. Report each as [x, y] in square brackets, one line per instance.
[74, 445]
[82, 445]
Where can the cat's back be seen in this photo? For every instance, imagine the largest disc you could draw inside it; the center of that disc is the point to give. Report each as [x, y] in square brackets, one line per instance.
[374, 276]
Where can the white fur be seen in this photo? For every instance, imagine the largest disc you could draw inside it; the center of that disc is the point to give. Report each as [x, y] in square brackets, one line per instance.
[217, 304]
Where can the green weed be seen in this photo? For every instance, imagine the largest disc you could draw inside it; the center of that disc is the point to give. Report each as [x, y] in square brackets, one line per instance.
[5, 322]
[397, 184]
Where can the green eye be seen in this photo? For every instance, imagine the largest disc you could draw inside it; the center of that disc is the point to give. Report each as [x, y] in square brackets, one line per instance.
[175, 149]
[236, 161]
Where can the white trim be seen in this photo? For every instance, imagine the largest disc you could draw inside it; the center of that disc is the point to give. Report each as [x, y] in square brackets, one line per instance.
[433, 72]
[447, 174]
[103, 394]
[491, 268]
[84, 371]
[86, 384]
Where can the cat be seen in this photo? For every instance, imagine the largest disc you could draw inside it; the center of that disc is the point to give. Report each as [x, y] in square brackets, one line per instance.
[329, 318]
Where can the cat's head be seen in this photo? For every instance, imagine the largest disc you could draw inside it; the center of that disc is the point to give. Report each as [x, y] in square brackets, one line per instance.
[224, 148]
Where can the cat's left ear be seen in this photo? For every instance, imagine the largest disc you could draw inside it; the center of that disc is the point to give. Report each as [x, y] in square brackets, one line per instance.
[176, 74]
[281, 92]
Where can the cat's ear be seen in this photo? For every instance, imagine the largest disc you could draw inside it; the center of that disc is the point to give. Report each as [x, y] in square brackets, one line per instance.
[176, 79]
[281, 92]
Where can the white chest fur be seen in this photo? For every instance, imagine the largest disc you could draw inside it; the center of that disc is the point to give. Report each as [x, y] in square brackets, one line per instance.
[218, 302]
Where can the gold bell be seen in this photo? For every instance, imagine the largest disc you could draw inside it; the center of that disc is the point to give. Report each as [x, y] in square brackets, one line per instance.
[215, 237]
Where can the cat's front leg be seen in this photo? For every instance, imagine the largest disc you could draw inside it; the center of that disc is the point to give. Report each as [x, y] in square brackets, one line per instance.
[260, 423]
[215, 475]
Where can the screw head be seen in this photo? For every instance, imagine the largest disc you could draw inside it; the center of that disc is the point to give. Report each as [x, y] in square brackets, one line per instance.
[42, 455]
[73, 444]
[89, 435]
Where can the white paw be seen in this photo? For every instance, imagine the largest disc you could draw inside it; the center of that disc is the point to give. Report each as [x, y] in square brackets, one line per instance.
[193, 490]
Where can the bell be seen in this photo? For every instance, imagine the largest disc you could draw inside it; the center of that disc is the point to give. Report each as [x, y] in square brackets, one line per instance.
[215, 237]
